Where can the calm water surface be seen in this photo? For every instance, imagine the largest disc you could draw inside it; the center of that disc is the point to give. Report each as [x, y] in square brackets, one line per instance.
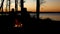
[53, 16]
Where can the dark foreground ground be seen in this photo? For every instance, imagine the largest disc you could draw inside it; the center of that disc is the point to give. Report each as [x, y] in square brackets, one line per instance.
[30, 25]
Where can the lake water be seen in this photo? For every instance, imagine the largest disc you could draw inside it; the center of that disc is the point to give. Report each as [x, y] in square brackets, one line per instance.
[31, 14]
[53, 16]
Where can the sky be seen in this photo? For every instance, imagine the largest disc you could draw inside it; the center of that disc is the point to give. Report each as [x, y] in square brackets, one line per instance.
[50, 6]
[29, 4]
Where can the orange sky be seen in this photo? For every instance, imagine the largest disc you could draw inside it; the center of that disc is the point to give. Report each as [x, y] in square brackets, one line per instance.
[50, 6]
[29, 4]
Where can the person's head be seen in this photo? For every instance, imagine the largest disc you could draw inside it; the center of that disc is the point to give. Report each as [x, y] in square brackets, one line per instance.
[12, 9]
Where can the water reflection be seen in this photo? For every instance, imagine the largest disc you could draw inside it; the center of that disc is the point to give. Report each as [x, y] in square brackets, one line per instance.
[31, 14]
[53, 16]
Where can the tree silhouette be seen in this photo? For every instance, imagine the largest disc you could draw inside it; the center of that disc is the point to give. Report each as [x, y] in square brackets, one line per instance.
[42, 1]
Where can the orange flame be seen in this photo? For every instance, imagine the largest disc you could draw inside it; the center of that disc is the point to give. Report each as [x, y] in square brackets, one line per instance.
[18, 24]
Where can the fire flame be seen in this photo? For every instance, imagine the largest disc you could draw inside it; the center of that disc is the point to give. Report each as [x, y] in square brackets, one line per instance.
[18, 24]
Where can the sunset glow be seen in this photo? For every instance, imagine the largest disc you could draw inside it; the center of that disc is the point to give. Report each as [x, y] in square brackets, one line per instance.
[29, 4]
[50, 6]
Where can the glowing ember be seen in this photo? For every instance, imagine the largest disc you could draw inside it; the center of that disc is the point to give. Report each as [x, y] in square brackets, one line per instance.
[18, 24]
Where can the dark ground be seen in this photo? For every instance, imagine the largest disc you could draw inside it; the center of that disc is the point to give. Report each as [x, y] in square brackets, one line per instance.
[30, 24]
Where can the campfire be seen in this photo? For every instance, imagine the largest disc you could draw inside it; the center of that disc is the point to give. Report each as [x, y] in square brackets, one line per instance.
[18, 24]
